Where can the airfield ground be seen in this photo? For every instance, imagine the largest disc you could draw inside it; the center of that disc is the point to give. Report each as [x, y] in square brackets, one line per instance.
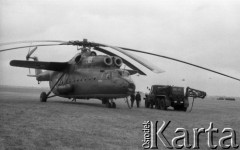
[26, 123]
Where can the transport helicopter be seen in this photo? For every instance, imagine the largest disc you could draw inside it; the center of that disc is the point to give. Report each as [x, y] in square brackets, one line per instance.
[88, 75]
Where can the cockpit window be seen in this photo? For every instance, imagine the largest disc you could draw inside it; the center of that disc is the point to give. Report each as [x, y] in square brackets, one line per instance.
[78, 58]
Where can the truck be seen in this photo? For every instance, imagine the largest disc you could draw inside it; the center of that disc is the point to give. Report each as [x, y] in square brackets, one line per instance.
[164, 96]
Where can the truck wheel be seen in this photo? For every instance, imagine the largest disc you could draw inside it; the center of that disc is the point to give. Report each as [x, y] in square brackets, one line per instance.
[146, 104]
[151, 105]
[158, 103]
[184, 109]
[162, 104]
[175, 107]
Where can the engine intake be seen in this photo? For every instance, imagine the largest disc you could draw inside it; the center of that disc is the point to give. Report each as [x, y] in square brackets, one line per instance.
[117, 61]
[108, 61]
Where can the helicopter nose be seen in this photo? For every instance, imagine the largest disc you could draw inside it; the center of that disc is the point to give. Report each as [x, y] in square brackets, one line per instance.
[126, 85]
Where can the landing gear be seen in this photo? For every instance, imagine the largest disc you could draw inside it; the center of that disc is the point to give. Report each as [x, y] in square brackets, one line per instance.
[114, 105]
[110, 104]
[43, 97]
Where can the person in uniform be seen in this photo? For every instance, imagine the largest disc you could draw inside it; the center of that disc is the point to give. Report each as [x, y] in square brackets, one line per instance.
[132, 99]
[138, 99]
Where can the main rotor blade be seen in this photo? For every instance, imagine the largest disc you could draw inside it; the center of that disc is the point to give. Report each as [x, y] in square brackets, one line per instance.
[34, 41]
[133, 50]
[38, 45]
[137, 59]
[124, 60]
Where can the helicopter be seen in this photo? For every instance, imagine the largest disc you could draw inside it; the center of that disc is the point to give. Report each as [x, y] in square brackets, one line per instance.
[88, 75]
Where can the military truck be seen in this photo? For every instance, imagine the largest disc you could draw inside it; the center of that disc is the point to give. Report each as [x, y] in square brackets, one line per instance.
[164, 96]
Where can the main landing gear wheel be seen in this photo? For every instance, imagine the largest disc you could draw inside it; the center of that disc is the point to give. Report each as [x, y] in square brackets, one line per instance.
[43, 97]
[110, 104]
[114, 105]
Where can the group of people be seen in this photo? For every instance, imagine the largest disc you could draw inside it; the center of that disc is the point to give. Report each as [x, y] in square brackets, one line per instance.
[136, 97]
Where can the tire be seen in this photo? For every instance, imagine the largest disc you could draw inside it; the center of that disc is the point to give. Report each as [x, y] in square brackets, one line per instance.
[176, 108]
[157, 103]
[146, 104]
[184, 109]
[151, 104]
[43, 97]
[162, 104]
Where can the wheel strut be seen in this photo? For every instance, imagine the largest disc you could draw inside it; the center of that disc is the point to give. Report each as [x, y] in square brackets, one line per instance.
[44, 96]
[55, 85]
[126, 100]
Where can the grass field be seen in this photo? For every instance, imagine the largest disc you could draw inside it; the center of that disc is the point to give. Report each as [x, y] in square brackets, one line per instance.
[26, 123]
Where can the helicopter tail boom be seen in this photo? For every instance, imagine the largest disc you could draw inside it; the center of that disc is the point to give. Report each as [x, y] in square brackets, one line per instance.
[54, 66]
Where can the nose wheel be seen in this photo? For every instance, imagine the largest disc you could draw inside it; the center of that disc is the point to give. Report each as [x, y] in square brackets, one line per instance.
[43, 97]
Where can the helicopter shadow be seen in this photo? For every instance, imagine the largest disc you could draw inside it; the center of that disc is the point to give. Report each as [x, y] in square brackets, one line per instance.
[81, 103]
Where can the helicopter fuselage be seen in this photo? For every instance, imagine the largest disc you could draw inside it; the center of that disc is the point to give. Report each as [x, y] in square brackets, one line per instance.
[90, 77]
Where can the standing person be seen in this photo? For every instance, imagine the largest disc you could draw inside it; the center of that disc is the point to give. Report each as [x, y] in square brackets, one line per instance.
[132, 99]
[138, 99]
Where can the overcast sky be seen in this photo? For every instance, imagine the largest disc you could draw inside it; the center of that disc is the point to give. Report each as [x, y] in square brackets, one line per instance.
[202, 32]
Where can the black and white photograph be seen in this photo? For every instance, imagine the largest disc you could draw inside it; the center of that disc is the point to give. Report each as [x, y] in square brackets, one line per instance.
[119, 74]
